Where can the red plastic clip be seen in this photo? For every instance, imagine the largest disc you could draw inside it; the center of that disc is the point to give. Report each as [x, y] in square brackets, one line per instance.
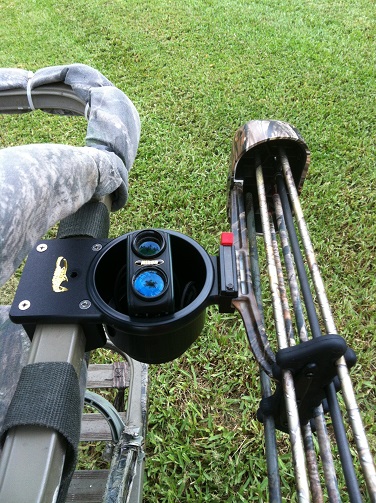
[227, 239]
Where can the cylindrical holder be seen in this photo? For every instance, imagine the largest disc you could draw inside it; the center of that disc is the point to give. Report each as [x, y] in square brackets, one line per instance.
[152, 337]
[257, 143]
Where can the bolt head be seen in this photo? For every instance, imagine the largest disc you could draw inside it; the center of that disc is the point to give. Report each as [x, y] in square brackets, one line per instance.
[24, 305]
[84, 304]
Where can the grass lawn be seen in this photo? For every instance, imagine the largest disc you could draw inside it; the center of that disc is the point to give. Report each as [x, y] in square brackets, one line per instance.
[196, 71]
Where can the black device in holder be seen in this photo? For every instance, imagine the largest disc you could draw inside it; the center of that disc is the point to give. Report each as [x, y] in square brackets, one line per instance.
[145, 286]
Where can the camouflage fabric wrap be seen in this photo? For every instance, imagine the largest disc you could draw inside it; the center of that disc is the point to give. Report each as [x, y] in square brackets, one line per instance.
[14, 350]
[41, 184]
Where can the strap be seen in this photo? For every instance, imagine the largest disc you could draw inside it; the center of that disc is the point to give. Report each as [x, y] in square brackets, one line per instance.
[48, 395]
[91, 220]
[28, 91]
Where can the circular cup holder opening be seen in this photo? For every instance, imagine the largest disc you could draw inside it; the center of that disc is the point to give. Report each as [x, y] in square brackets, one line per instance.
[154, 339]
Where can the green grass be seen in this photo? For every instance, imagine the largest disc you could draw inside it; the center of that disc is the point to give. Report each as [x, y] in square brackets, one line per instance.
[196, 71]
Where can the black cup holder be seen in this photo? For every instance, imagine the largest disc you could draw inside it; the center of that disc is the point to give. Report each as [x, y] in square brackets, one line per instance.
[154, 338]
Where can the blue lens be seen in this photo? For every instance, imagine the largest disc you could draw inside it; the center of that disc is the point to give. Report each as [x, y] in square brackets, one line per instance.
[149, 283]
[149, 248]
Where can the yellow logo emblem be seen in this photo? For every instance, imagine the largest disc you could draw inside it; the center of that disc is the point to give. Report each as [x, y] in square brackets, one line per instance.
[60, 275]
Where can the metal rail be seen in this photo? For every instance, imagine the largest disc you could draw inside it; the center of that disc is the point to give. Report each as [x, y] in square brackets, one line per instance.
[58, 98]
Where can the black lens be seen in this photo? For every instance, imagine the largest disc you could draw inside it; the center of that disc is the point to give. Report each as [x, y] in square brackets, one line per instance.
[149, 283]
[148, 248]
[148, 243]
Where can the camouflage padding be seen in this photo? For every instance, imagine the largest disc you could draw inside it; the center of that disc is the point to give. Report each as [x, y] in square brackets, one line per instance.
[113, 121]
[42, 184]
[14, 350]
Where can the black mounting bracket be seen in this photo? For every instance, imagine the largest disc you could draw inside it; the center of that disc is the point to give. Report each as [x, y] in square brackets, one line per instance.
[80, 281]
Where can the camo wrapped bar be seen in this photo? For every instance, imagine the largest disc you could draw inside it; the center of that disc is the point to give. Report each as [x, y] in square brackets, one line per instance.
[42, 184]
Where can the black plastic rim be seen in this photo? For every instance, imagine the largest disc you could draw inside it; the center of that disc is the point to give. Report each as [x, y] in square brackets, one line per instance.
[162, 324]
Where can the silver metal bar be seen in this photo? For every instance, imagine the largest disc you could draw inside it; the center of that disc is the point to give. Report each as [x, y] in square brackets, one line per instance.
[37, 454]
[137, 418]
[287, 378]
[125, 481]
[365, 456]
[49, 97]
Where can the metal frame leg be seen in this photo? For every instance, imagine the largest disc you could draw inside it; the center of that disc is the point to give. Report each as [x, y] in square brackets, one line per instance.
[33, 457]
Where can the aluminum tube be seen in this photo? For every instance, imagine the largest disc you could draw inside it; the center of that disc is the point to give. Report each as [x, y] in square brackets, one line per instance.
[125, 481]
[33, 458]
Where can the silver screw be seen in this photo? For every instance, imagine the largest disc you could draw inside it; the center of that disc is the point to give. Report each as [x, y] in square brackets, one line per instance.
[23, 305]
[97, 247]
[85, 304]
[42, 247]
